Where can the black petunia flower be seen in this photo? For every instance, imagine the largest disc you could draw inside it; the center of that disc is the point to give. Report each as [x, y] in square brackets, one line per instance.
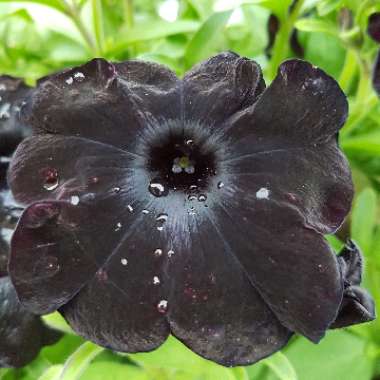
[22, 334]
[195, 207]
[374, 33]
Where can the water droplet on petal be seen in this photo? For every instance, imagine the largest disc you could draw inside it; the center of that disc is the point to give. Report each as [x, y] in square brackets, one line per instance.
[158, 252]
[170, 253]
[130, 208]
[79, 76]
[162, 306]
[158, 189]
[5, 111]
[191, 198]
[74, 200]
[116, 189]
[162, 217]
[50, 176]
[262, 193]
[193, 187]
[202, 198]
[220, 185]
[69, 80]
[124, 261]
[189, 142]
[118, 226]
[156, 280]
[145, 212]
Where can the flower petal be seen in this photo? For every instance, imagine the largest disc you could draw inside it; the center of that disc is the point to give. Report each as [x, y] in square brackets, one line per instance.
[219, 87]
[314, 180]
[104, 101]
[229, 323]
[22, 334]
[47, 173]
[302, 106]
[357, 304]
[129, 285]
[13, 93]
[291, 265]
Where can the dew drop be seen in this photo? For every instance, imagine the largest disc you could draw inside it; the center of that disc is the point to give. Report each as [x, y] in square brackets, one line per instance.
[189, 142]
[157, 189]
[74, 200]
[262, 193]
[156, 280]
[220, 185]
[191, 198]
[145, 211]
[69, 80]
[162, 218]
[118, 226]
[124, 261]
[116, 189]
[130, 208]
[170, 253]
[162, 306]
[79, 76]
[5, 111]
[3, 87]
[202, 198]
[158, 252]
[50, 176]
[193, 187]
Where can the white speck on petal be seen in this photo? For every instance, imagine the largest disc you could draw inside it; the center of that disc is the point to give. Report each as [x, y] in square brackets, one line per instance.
[130, 208]
[69, 80]
[118, 226]
[170, 253]
[124, 261]
[158, 252]
[4, 111]
[79, 75]
[263, 193]
[74, 200]
[156, 280]
[3, 87]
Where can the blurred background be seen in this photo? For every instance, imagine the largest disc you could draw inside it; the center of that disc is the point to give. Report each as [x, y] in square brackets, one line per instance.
[38, 37]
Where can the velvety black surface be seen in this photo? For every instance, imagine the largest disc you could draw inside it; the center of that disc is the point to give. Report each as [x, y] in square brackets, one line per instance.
[22, 334]
[374, 32]
[195, 207]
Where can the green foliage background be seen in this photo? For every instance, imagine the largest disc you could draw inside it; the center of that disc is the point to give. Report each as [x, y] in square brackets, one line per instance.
[38, 37]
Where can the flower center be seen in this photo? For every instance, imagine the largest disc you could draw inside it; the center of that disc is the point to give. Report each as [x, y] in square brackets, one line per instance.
[178, 163]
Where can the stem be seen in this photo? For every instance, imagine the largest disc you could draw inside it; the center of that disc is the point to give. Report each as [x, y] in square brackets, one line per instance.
[97, 16]
[130, 21]
[129, 14]
[72, 11]
[348, 72]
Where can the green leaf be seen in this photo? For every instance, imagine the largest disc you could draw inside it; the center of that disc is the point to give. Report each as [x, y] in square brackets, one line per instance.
[339, 356]
[151, 31]
[240, 373]
[365, 143]
[334, 242]
[206, 38]
[113, 371]
[281, 366]
[364, 218]
[20, 13]
[174, 356]
[79, 361]
[52, 373]
[279, 8]
[325, 7]
[316, 25]
[56, 4]
[57, 322]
